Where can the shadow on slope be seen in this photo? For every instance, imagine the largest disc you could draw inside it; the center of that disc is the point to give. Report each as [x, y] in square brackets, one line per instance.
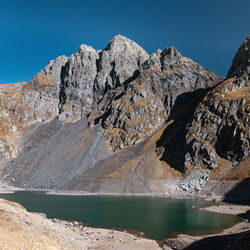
[133, 169]
[173, 137]
[128, 171]
[240, 193]
[239, 241]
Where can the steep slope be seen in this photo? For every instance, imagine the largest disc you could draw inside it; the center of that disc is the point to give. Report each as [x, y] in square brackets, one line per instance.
[80, 86]
[207, 138]
[53, 153]
[216, 135]
[23, 104]
[222, 119]
[136, 169]
[134, 110]
[89, 74]
[165, 114]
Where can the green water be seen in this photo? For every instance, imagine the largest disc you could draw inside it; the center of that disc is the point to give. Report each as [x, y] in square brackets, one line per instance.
[156, 217]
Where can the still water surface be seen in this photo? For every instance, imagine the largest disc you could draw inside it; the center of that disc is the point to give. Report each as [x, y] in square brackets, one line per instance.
[156, 217]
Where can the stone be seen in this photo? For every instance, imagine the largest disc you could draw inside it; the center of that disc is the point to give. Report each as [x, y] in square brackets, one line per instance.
[218, 125]
[79, 110]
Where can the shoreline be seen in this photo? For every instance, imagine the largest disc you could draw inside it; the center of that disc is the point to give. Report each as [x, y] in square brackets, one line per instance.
[177, 195]
[29, 230]
[228, 208]
[186, 239]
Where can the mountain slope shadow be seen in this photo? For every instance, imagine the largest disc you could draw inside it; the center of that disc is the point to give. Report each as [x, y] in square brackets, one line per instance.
[240, 193]
[173, 138]
[239, 241]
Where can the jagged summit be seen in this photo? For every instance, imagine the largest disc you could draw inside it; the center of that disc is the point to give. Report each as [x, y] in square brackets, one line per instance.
[120, 40]
[241, 61]
[171, 52]
[126, 49]
[85, 47]
[78, 111]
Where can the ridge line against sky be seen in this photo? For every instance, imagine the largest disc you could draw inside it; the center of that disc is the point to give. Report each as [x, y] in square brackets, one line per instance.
[35, 32]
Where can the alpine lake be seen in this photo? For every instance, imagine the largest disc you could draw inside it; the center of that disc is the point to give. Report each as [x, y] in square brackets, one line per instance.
[157, 217]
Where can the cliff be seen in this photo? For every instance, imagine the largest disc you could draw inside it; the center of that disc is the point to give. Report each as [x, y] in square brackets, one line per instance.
[120, 120]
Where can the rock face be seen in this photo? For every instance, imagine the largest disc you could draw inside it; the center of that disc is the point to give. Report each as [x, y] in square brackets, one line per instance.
[23, 105]
[220, 124]
[217, 128]
[134, 110]
[89, 74]
[122, 79]
[62, 126]
[241, 61]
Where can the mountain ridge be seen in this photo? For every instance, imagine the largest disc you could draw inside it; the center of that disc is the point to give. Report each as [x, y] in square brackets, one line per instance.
[129, 96]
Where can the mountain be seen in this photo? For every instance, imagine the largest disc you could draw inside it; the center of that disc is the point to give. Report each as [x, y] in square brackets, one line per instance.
[215, 136]
[120, 120]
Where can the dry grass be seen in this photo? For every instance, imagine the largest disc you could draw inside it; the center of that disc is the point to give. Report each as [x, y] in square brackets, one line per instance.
[39, 79]
[18, 232]
[156, 70]
[185, 59]
[235, 95]
[18, 239]
[163, 170]
[239, 172]
[219, 172]
[121, 172]
[170, 72]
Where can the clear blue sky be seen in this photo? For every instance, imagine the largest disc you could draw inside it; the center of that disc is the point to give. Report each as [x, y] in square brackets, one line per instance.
[36, 31]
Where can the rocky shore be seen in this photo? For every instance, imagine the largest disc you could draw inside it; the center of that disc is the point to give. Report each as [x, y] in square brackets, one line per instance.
[56, 234]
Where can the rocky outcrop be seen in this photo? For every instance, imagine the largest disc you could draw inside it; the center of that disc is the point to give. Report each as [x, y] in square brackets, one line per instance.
[220, 124]
[22, 105]
[89, 74]
[241, 61]
[129, 92]
[59, 130]
[215, 132]
[134, 110]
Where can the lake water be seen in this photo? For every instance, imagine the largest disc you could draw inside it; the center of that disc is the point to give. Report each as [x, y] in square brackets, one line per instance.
[156, 217]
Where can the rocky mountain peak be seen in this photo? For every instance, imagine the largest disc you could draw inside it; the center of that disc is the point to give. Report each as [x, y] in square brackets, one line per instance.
[86, 48]
[118, 62]
[121, 44]
[181, 116]
[171, 53]
[127, 49]
[53, 69]
[89, 74]
[119, 40]
[241, 61]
